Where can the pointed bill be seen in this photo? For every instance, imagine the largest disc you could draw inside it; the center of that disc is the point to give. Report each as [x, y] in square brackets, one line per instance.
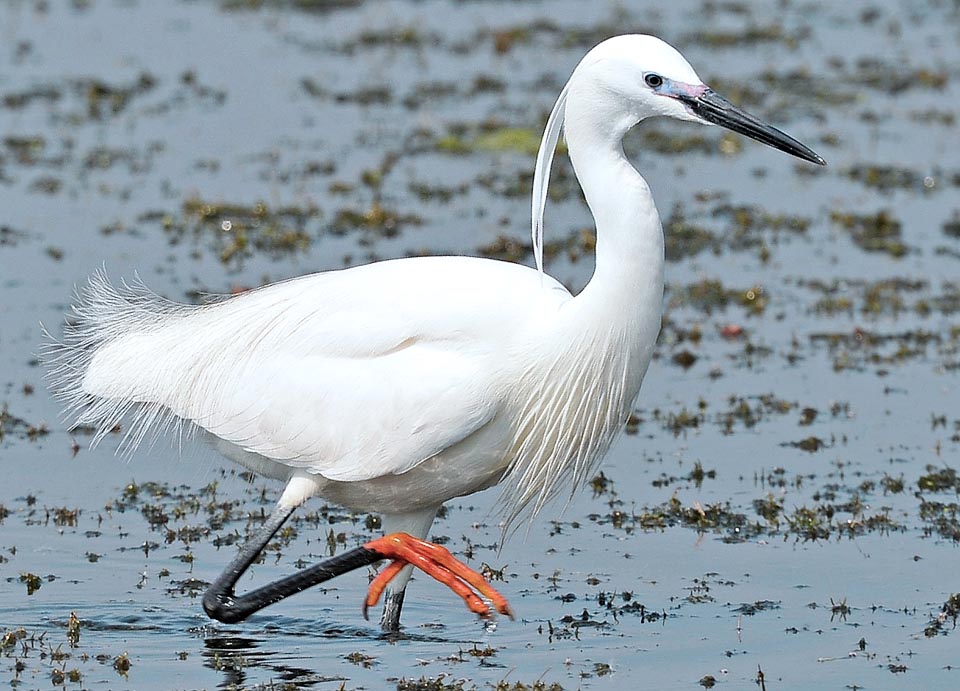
[714, 108]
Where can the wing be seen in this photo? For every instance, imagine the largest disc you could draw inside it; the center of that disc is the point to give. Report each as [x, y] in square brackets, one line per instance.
[352, 418]
[352, 374]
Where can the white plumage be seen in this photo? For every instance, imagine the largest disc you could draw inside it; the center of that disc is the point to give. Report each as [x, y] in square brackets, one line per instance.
[396, 386]
[353, 385]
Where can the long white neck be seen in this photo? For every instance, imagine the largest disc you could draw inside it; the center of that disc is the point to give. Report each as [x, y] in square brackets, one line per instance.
[629, 253]
[604, 337]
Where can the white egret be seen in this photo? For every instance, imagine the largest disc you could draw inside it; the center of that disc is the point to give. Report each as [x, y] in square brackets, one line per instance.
[396, 386]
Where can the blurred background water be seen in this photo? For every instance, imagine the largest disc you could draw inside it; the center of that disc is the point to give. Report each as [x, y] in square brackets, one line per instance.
[783, 509]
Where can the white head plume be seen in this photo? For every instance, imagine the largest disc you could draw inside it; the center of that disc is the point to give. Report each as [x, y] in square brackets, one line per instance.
[541, 174]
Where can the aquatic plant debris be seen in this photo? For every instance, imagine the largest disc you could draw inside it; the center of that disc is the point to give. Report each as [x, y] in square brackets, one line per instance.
[814, 308]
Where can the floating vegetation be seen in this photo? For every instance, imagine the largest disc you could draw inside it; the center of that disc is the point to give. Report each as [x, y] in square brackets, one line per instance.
[363, 95]
[710, 295]
[46, 184]
[685, 239]
[489, 136]
[939, 480]
[32, 581]
[810, 444]
[429, 92]
[28, 150]
[520, 140]
[948, 614]
[21, 99]
[101, 99]
[887, 177]
[718, 517]
[934, 116]
[440, 683]
[803, 86]
[862, 297]
[751, 410]
[941, 518]
[107, 100]
[879, 232]
[857, 348]
[136, 162]
[885, 297]
[376, 219]
[235, 230]
[808, 524]
[740, 92]
[751, 35]
[952, 227]
[405, 37]
[507, 248]
[684, 359]
[586, 36]
[673, 143]
[74, 102]
[361, 659]
[749, 609]
[744, 227]
[747, 219]
[366, 96]
[430, 684]
[122, 664]
[15, 426]
[828, 517]
[319, 6]
[10, 236]
[895, 77]
[440, 193]
[505, 40]
[485, 83]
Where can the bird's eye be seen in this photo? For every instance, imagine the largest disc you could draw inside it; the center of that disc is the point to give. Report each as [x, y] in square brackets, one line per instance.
[654, 81]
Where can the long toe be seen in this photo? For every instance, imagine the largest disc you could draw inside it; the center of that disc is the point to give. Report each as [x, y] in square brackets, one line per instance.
[438, 563]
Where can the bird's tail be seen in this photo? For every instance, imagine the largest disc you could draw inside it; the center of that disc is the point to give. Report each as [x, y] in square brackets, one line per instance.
[102, 368]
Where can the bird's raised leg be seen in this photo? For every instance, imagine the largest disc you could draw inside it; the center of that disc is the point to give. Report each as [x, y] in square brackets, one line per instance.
[221, 602]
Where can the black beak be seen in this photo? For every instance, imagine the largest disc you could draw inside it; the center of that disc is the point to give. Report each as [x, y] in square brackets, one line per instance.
[714, 108]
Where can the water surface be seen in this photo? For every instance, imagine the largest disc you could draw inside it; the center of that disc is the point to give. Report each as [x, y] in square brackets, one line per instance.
[785, 505]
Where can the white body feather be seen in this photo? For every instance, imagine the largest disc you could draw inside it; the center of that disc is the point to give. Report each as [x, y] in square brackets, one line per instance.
[396, 386]
[400, 398]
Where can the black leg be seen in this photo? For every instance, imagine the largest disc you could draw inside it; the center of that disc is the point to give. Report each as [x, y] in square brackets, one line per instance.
[390, 619]
[221, 603]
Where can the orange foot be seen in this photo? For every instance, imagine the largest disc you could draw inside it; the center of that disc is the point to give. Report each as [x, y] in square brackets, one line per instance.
[435, 561]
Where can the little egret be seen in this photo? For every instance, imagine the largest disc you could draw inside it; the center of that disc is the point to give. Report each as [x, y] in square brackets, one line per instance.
[397, 386]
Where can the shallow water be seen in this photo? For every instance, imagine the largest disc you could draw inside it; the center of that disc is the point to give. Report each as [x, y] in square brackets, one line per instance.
[785, 503]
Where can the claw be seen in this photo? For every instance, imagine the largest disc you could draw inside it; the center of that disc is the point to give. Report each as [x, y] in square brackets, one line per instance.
[378, 584]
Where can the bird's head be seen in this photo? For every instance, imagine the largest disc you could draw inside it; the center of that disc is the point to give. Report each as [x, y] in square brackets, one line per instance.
[629, 78]
[646, 77]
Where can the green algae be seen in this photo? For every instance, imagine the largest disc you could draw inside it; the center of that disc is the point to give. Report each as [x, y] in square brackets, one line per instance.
[748, 36]
[318, 6]
[490, 137]
[728, 227]
[235, 230]
[879, 232]
[710, 295]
